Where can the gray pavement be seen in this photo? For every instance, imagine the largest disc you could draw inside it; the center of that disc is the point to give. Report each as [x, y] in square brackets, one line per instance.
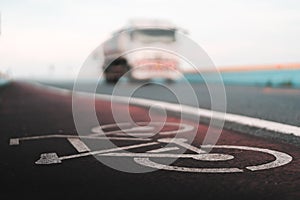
[274, 104]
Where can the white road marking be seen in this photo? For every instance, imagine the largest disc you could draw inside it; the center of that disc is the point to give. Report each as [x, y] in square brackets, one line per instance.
[78, 145]
[48, 158]
[143, 158]
[148, 163]
[280, 160]
[202, 157]
[108, 150]
[16, 141]
[142, 126]
[123, 131]
[164, 149]
[137, 134]
[181, 142]
[189, 110]
[123, 138]
[280, 157]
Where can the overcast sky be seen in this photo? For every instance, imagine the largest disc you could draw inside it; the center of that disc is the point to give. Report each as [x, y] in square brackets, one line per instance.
[37, 36]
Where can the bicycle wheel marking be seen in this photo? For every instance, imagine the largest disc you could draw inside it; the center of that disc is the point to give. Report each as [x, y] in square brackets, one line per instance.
[142, 129]
[148, 163]
[281, 158]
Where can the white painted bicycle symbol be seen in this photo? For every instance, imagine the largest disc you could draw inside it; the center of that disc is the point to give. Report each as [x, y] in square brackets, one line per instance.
[139, 132]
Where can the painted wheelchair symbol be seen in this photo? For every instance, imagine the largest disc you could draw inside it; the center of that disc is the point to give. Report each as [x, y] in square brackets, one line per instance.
[144, 129]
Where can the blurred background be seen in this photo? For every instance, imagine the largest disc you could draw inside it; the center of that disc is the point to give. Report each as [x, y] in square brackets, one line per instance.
[251, 42]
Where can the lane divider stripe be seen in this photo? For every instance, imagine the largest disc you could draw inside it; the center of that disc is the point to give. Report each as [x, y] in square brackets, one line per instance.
[189, 110]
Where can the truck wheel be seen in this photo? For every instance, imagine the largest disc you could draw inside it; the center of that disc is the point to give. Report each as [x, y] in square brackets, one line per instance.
[116, 70]
[111, 80]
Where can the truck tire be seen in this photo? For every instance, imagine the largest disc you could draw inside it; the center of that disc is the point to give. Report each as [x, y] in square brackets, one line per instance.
[116, 70]
[111, 80]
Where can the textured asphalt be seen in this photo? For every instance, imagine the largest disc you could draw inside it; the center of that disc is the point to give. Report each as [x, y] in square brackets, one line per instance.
[273, 104]
[27, 110]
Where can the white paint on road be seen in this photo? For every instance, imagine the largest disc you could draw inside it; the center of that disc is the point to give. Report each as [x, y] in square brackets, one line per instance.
[48, 158]
[148, 163]
[190, 110]
[16, 141]
[200, 112]
[199, 155]
[78, 145]
[280, 157]
[181, 142]
[146, 127]
[164, 149]
[52, 158]
[107, 150]
[202, 157]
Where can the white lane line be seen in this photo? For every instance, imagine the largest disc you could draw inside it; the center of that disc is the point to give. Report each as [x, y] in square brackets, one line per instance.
[178, 108]
[164, 149]
[148, 163]
[78, 145]
[189, 110]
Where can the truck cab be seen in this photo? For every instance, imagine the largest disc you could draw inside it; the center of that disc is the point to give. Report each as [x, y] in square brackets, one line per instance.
[142, 64]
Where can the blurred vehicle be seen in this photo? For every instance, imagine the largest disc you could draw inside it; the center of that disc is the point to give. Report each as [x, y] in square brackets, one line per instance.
[143, 64]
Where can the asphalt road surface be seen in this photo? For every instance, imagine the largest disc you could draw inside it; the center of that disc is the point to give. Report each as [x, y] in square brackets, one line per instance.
[275, 104]
[43, 157]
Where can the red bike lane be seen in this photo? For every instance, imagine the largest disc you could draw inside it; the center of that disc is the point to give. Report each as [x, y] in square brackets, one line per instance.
[28, 111]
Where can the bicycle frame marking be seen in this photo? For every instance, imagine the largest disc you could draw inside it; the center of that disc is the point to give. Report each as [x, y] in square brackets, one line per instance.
[143, 159]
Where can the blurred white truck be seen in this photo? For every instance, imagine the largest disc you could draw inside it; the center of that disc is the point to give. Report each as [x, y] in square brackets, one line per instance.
[142, 64]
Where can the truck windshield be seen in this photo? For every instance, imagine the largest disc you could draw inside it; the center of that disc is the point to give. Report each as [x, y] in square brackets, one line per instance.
[153, 35]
